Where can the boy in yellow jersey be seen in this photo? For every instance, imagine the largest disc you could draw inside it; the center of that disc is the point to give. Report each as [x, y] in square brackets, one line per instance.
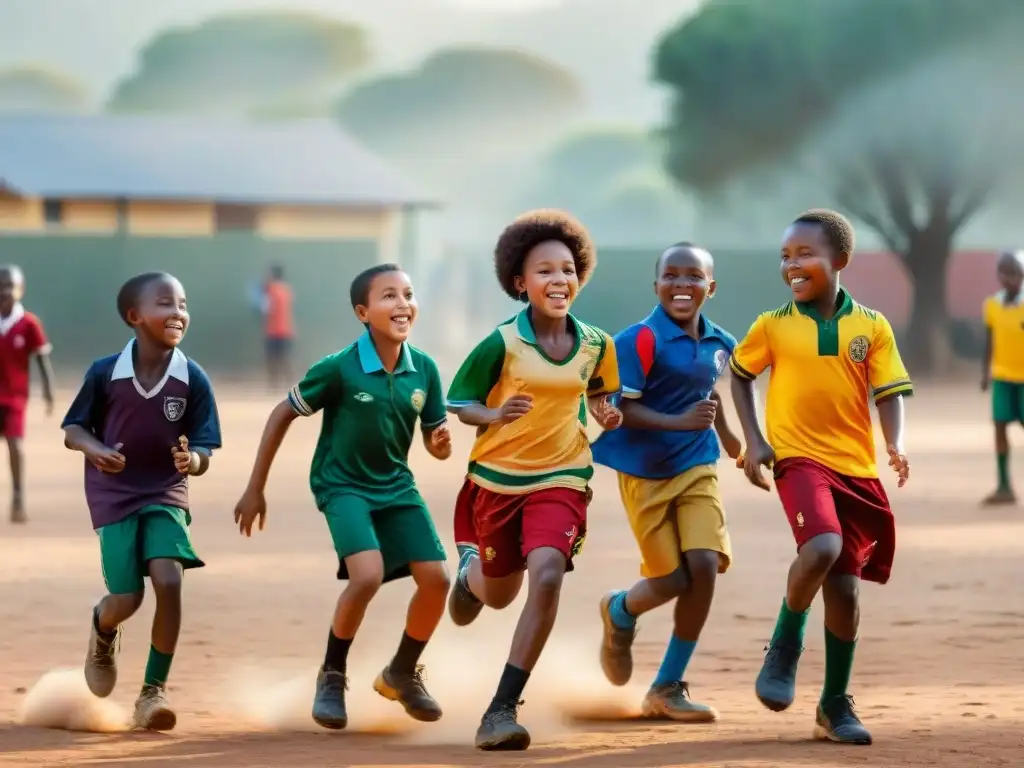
[1004, 363]
[827, 356]
[524, 501]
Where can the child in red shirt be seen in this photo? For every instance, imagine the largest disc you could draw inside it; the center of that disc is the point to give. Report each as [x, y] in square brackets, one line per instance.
[21, 338]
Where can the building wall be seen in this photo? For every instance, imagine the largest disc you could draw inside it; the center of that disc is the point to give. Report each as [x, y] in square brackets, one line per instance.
[382, 225]
[89, 216]
[175, 219]
[21, 215]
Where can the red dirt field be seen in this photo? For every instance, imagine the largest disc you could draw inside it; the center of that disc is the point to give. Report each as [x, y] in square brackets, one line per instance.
[939, 677]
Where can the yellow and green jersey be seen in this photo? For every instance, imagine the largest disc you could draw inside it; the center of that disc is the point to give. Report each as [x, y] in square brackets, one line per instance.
[1005, 321]
[548, 447]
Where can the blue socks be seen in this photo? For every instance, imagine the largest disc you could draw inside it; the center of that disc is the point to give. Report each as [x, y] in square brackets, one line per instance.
[673, 666]
[621, 616]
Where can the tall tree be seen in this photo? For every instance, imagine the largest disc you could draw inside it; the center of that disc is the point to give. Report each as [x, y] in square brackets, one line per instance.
[893, 106]
[41, 90]
[244, 62]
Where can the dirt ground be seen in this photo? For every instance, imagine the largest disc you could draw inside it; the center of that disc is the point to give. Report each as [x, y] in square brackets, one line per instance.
[939, 677]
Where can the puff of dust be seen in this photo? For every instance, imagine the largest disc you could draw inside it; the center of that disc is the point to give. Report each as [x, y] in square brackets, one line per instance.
[62, 700]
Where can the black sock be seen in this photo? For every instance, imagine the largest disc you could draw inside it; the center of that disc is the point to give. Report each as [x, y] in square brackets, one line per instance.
[409, 652]
[510, 686]
[337, 653]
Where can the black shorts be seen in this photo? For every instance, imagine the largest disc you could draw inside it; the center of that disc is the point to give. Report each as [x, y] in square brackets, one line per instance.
[278, 349]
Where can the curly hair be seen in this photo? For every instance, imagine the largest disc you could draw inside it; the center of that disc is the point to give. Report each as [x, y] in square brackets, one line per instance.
[530, 230]
[838, 229]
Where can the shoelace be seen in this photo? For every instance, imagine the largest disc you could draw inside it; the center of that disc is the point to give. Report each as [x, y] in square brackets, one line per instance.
[333, 681]
[103, 655]
[505, 712]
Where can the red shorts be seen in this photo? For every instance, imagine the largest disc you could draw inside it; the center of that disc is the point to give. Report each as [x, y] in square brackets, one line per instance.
[12, 420]
[819, 500]
[506, 527]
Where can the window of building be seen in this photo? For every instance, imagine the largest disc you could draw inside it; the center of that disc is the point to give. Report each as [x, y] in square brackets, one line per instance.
[53, 212]
[236, 218]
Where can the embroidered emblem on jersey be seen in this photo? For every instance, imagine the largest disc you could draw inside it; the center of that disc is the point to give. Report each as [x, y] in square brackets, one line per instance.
[721, 360]
[586, 370]
[859, 349]
[174, 408]
[799, 519]
[19, 342]
[490, 554]
[363, 397]
[419, 397]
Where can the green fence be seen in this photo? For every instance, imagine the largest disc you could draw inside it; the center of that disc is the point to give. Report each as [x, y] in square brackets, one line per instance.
[72, 284]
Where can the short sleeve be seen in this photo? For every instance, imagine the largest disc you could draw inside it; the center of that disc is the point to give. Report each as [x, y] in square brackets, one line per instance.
[320, 386]
[478, 374]
[605, 378]
[988, 310]
[634, 348]
[752, 355]
[886, 373]
[434, 412]
[35, 338]
[203, 427]
[86, 409]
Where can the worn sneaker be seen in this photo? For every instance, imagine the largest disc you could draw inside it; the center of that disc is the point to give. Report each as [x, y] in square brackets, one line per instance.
[463, 605]
[152, 712]
[18, 515]
[616, 645]
[409, 691]
[776, 682]
[1000, 498]
[101, 659]
[500, 731]
[836, 720]
[329, 701]
[672, 702]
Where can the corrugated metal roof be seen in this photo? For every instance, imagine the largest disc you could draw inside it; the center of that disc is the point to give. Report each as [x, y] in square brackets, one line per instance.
[176, 158]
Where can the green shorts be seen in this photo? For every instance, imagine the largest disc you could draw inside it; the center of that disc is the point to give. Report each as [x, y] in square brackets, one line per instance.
[1007, 402]
[152, 533]
[403, 532]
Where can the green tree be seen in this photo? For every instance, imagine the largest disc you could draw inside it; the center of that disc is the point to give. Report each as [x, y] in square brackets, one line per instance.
[893, 105]
[38, 89]
[244, 62]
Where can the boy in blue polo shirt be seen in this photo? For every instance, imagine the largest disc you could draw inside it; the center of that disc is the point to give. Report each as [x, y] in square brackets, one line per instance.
[665, 455]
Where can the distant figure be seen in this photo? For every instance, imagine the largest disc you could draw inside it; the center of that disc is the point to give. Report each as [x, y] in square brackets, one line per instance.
[21, 338]
[278, 327]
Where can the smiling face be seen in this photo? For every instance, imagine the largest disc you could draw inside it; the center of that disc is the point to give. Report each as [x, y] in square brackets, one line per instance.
[549, 278]
[685, 279]
[809, 264]
[161, 312]
[390, 308]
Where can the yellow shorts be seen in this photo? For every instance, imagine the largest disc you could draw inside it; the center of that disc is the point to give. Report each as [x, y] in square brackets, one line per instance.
[676, 515]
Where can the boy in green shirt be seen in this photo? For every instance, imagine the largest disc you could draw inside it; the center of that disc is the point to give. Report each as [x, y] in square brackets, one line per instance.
[371, 394]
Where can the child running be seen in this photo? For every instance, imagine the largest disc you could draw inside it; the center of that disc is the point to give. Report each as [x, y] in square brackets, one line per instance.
[371, 393]
[1004, 364]
[827, 356]
[665, 456]
[524, 501]
[145, 419]
[21, 338]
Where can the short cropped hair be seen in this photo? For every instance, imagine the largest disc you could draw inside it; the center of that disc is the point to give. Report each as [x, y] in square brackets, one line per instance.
[1013, 256]
[359, 291]
[838, 229]
[530, 230]
[128, 296]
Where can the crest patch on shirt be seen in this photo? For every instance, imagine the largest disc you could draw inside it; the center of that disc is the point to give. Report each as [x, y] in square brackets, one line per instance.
[721, 360]
[363, 397]
[419, 397]
[859, 349]
[174, 408]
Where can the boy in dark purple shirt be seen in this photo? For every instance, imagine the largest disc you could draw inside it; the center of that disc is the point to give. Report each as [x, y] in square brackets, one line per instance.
[145, 419]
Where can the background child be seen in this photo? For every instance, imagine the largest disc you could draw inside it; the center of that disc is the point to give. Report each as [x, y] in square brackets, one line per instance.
[665, 456]
[371, 393]
[1004, 364]
[827, 355]
[524, 501]
[21, 338]
[145, 419]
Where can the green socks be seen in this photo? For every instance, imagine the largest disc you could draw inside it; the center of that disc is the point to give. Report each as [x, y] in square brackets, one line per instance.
[1003, 466]
[838, 665]
[790, 626]
[157, 668]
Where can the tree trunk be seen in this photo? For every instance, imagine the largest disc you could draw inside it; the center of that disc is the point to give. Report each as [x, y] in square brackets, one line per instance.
[927, 348]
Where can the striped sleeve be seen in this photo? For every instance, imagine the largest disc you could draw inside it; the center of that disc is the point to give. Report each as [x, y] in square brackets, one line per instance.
[320, 386]
[752, 355]
[886, 373]
[635, 349]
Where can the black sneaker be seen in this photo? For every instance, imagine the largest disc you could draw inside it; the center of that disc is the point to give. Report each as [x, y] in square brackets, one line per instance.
[836, 720]
[329, 701]
[499, 730]
[409, 691]
[101, 659]
[463, 605]
[776, 682]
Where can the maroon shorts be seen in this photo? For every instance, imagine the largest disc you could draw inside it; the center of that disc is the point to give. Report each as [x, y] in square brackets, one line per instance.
[12, 421]
[819, 500]
[506, 527]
